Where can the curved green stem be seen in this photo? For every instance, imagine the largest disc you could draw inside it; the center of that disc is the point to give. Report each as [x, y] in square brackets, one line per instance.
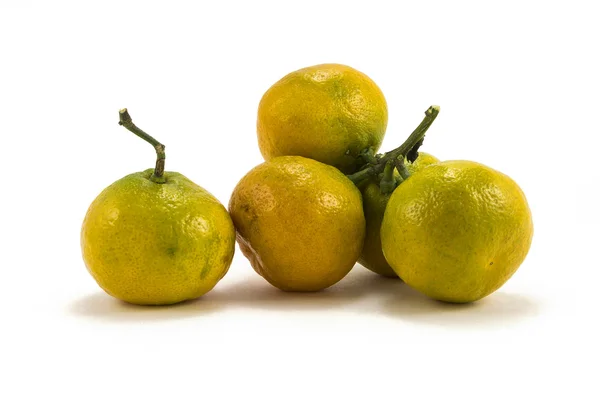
[406, 147]
[401, 167]
[368, 155]
[388, 182]
[159, 168]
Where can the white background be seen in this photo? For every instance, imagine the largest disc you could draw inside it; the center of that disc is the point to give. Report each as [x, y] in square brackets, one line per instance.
[517, 82]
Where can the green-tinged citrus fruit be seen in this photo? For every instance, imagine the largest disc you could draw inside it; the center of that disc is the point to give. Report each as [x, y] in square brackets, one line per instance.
[423, 160]
[150, 243]
[374, 204]
[155, 237]
[457, 230]
[328, 112]
[299, 222]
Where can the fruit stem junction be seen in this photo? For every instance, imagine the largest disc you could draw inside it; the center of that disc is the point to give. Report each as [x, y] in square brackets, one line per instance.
[159, 169]
[396, 156]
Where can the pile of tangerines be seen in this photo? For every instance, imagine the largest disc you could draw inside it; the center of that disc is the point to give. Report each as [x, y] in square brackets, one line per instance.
[323, 199]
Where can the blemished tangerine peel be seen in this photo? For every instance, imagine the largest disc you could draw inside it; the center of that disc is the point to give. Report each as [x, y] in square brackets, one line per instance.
[299, 222]
[457, 230]
[155, 237]
[327, 112]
